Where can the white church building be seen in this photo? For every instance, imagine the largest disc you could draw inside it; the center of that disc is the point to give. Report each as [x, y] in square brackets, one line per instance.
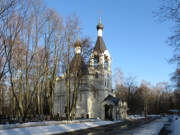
[96, 99]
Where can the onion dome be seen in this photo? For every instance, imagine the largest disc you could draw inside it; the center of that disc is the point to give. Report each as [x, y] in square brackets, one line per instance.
[100, 26]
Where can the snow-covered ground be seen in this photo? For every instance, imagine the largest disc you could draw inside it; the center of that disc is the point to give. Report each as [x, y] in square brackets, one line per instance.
[175, 126]
[54, 129]
[47, 123]
[135, 117]
[43, 123]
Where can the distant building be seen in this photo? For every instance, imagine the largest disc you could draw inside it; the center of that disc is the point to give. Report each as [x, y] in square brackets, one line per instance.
[96, 97]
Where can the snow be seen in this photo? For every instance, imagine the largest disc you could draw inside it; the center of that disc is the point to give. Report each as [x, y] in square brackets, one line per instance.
[43, 123]
[175, 127]
[47, 123]
[54, 129]
[152, 128]
[174, 110]
[135, 117]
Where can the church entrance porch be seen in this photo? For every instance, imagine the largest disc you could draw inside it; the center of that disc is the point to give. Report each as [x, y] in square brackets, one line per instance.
[108, 112]
[109, 108]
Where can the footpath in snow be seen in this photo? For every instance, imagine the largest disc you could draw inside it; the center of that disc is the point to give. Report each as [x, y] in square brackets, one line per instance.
[152, 128]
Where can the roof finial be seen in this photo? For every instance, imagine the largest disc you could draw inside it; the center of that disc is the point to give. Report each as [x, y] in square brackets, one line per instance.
[78, 36]
[99, 19]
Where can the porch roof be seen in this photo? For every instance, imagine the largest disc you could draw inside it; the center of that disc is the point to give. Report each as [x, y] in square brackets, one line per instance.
[111, 99]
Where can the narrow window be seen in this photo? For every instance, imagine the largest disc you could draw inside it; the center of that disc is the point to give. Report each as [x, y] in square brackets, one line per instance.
[96, 61]
[96, 75]
[80, 97]
[105, 64]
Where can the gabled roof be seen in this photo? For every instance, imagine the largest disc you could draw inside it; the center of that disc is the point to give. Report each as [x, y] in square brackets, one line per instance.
[111, 99]
[100, 46]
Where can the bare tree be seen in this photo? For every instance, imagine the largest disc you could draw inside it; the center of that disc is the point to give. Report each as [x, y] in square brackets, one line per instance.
[36, 46]
[119, 78]
[6, 7]
[6, 10]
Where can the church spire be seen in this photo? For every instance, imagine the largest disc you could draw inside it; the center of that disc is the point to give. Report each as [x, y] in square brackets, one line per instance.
[100, 27]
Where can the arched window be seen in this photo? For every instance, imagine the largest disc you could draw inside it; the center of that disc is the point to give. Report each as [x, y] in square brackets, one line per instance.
[106, 80]
[105, 63]
[96, 61]
[96, 75]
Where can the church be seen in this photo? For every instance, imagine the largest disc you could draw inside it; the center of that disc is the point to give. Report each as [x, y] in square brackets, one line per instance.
[96, 98]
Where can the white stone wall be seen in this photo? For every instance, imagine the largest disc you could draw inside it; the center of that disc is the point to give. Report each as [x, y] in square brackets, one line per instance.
[59, 98]
[89, 100]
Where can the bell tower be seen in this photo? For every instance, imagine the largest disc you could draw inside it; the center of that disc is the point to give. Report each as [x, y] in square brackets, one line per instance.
[100, 58]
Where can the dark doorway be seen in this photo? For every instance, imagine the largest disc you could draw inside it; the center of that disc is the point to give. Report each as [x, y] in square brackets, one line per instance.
[108, 112]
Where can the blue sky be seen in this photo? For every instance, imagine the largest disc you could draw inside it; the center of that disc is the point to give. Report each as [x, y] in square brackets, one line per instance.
[134, 38]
